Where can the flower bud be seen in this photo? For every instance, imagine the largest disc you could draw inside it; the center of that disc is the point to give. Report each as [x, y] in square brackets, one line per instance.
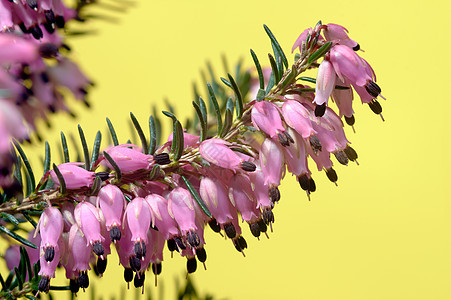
[128, 159]
[74, 176]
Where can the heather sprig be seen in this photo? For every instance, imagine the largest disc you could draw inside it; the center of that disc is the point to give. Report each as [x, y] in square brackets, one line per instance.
[226, 165]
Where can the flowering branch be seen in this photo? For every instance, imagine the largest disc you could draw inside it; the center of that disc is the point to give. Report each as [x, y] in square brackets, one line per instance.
[141, 198]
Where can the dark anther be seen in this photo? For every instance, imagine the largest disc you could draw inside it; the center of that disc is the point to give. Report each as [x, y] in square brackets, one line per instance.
[236, 243]
[49, 16]
[128, 274]
[172, 246]
[268, 216]
[283, 139]
[49, 27]
[373, 89]
[36, 32]
[289, 138]
[356, 48]
[312, 187]
[45, 77]
[135, 263]
[156, 268]
[98, 249]
[242, 242]
[320, 110]
[139, 279]
[23, 28]
[44, 284]
[214, 225]
[162, 159]
[342, 157]
[350, 121]
[103, 175]
[375, 107]
[193, 239]
[230, 230]
[191, 265]
[140, 249]
[67, 47]
[248, 166]
[262, 225]
[350, 153]
[84, 92]
[255, 229]
[304, 182]
[49, 253]
[180, 243]
[83, 280]
[201, 255]
[331, 174]
[274, 194]
[48, 50]
[315, 143]
[59, 21]
[101, 265]
[115, 234]
[33, 4]
[74, 287]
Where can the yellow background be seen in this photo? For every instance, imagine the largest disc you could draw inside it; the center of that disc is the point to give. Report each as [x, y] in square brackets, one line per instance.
[385, 232]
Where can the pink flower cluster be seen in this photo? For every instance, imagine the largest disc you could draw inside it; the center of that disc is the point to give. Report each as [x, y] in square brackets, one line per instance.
[342, 67]
[33, 73]
[150, 200]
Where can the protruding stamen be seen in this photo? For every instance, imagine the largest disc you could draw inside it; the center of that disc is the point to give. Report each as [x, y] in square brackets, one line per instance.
[283, 140]
[128, 274]
[49, 254]
[162, 159]
[214, 225]
[268, 216]
[83, 280]
[342, 158]
[230, 230]
[193, 239]
[315, 143]
[304, 182]
[201, 255]
[350, 121]
[139, 279]
[191, 265]
[48, 50]
[255, 229]
[44, 284]
[248, 166]
[74, 286]
[375, 106]
[331, 174]
[98, 249]
[180, 243]
[115, 234]
[320, 110]
[350, 153]
[274, 194]
[172, 245]
[262, 226]
[101, 265]
[356, 48]
[373, 89]
[135, 263]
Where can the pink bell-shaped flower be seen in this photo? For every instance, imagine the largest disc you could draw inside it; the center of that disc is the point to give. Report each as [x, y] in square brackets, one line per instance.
[181, 208]
[138, 218]
[325, 83]
[266, 117]
[272, 162]
[111, 202]
[216, 198]
[128, 159]
[160, 216]
[298, 118]
[50, 229]
[335, 32]
[74, 176]
[216, 151]
[81, 255]
[88, 219]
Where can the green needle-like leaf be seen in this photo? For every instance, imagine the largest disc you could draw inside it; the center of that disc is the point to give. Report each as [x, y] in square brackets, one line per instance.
[10, 218]
[196, 197]
[18, 237]
[17, 171]
[215, 104]
[29, 219]
[48, 157]
[157, 125]
[153, 135]
[18, 279]
[261, 79]
[178, 138]
[270, 83]
[27, 164]
[226, 82]
[239, 97]
[113, 163]
[31, 297]
[141, 135]
[277, 46]
[203, 124]
[112, 132]
[24, 257]
[228, 118]
[84, 146]
[60, 179]
[308, 79]
[2, 281]
[95, 150]
[275, 71]
[65, 148]
[320, 52]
